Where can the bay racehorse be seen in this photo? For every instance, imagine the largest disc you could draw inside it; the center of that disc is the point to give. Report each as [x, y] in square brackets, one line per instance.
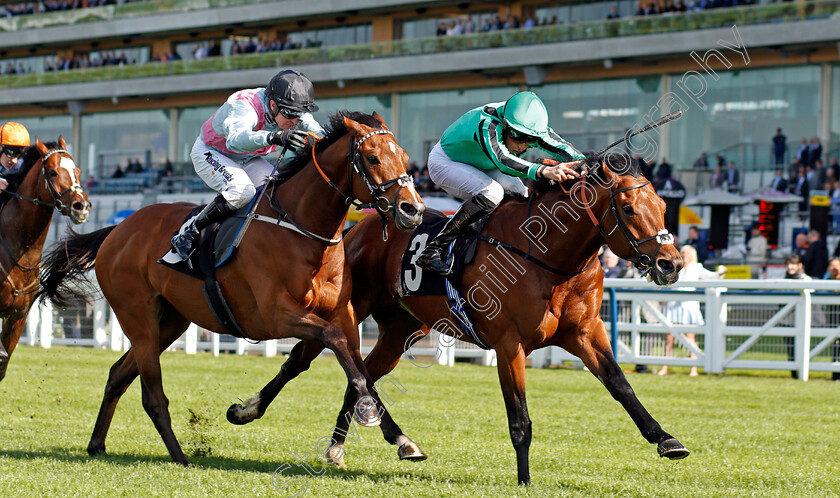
[281, 282]
[47, 180]
[535, 282]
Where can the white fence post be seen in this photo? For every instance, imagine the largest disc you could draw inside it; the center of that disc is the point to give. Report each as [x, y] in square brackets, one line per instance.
[117, 335]
[191, 339]
[270, 348]
[100, 337]
[214, 343]
[33, 324]
[803, 341]
[240, 346]
[46, 324]
[716, 324]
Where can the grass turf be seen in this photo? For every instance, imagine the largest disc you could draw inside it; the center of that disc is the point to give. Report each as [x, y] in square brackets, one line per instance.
[766, 436]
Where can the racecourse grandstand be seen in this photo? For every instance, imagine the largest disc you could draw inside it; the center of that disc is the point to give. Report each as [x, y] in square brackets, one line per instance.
[129, 83]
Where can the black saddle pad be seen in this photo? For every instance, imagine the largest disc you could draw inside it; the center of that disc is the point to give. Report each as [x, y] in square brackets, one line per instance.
[215, 245]
[414, 281]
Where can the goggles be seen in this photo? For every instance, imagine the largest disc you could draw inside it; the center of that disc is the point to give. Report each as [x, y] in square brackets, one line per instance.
[12, 151]
[520, 137]
[288, 113]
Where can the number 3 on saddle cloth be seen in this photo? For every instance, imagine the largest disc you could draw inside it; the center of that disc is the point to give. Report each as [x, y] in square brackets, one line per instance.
[414, 281]
[215, 247]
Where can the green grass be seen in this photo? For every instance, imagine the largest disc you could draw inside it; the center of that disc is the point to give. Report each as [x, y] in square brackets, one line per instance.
[765, 436]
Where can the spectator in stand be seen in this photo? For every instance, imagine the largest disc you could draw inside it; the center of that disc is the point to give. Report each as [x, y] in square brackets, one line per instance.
[779, 183]
[801, 243]
[815, 261]
[702, 162]
[812, 178]
[118, 172]
[733, 178]
[700, 246]
[756, 251]
[802, 153]
[664, 170]
[794, 271]
[721, 161]
[814, 150]
[779, 146]
[90, 183]
[819, 172]
[718, 178]
[800, 188]
[613, 14]
[612, 264]
[832, 312]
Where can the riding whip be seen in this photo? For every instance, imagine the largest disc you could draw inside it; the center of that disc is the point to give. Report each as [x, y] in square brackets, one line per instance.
[659, 122]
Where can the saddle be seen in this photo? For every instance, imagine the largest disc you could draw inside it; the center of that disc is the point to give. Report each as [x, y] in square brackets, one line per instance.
[214, 248]
[414, 281]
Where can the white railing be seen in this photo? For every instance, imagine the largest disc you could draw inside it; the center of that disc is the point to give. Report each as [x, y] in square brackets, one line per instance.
[749, 324]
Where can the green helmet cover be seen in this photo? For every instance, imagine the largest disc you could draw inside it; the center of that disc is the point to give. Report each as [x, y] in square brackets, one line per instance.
[526, 113]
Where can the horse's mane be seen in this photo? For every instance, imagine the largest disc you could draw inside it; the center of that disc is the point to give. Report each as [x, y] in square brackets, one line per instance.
[335, 129]
[593, 165]
[31, 155]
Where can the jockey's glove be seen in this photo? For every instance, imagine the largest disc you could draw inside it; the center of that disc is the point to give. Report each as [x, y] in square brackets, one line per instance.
[291, 139]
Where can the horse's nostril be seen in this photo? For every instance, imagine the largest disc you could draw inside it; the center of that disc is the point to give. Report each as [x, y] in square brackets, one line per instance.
[665, 266]
[78, 206]
[408, 208]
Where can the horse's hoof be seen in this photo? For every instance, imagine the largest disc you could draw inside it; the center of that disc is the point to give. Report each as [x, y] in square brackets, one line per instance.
[673, 449]
[241, 414]
[410, 451]
[335, 456]
[366, 413]
[96, 449]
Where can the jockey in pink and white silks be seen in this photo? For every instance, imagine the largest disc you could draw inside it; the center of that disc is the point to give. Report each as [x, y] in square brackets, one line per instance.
[239, 145]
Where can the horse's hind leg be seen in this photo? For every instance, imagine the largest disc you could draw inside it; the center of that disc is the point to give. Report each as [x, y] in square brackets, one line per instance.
[12, 330]
[123, 373]
[395, 329]
[593, 347]
[298, 362]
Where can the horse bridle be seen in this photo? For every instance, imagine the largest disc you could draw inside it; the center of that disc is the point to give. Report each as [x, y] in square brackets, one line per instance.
[355, 163]
[662, 237]
[56, 196]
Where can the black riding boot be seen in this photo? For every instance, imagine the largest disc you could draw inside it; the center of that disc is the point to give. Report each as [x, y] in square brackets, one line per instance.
[434, 256]
[184, 241]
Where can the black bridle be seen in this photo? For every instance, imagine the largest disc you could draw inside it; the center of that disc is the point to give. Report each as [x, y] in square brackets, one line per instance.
[382, 204]
[57, 203]
[662, 237]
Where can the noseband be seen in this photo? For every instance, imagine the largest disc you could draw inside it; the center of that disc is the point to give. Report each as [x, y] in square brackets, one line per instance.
[355, 163]
[56, 196]
[662, 237]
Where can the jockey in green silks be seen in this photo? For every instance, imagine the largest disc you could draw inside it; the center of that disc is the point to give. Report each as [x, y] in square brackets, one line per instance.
[479, 159]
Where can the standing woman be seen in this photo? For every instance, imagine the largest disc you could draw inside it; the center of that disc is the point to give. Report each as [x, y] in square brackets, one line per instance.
[686, 312]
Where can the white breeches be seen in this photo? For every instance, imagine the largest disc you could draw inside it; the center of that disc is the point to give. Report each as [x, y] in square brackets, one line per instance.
[235, 181]
[465, 181]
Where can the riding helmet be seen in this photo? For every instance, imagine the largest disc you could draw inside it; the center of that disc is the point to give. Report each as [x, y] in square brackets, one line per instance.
[14, 134]
[292, 90]
[526, 113]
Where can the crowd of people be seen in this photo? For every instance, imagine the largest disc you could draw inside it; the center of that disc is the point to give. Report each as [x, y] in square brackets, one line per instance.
[25, 8]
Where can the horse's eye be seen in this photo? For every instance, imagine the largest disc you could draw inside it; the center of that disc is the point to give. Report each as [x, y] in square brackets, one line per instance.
[628, 210]
[373, 160]
[53, 173]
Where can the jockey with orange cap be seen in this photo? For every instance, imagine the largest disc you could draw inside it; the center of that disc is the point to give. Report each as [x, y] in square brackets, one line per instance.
[14, 138]
[239, 145]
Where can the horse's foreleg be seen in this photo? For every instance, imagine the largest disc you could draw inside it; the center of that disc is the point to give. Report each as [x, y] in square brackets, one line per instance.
[9, 337]
[593, 348]
[393, 338]
[511, 368]
[298, 362]
[122, 374]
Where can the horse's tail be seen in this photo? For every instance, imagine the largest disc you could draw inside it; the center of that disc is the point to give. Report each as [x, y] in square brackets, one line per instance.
[63, 271]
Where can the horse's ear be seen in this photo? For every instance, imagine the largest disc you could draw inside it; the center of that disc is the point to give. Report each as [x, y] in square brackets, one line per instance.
[357, 128]
[381, 121]
[43, 148]
[609, 175]
[61, 142]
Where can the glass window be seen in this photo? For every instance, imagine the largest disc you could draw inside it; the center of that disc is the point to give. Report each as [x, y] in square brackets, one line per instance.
[48, 128]
[189, 127]
[428, 28]
[381, 104]
[834, 139]
[425, 115]
[112, 138]
[742, 111]
[333, 36]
